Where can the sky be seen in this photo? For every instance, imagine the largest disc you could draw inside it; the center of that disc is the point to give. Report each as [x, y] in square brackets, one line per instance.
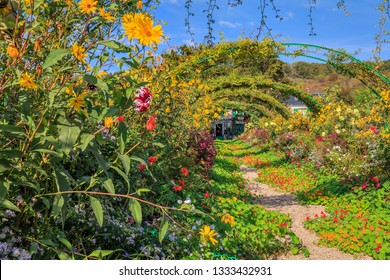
[333, 27]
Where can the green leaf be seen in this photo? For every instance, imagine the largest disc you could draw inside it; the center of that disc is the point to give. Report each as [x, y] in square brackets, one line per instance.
[11, 154]
[116, 46]
[163, 230]
[46, 151]
[97, 210]
[3, 192]
[122, 137]
[54, 56]
[63, 256]
[12, 131]
[125, 159]
[109, 186]
[46, 202]
[95, 81]
[122, 174]
[68, 135]
[295, 239]
[140, 191]
[294, 250]
[100, 254]
[85, 139]
[5, 164]
[136, 210]
[61, 181]
[66, 243]
[103, 164]
[9, 205]
[58, 203]
[158, 144]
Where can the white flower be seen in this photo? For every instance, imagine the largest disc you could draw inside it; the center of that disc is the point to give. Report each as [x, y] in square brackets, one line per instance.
[188, 200]
[180, 201]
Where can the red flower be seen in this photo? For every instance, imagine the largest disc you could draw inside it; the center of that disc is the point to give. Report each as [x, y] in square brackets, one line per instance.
[364, 186]
[379, 245]
[120, 119]
[152, 160]
[206, 194]
[151, 123]
[184, 171]
[181, 183]
[375, 179]
[307, 218]
[377, 249]
[316, 216]
[177, 188]
[378, 185]
[142, 99]
[335, 219]
[373, 128]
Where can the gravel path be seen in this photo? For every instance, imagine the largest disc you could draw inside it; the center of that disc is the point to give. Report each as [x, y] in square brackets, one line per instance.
[287, 203]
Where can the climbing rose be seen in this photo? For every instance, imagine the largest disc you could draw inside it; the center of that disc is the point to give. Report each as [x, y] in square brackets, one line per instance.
[142, 99]
[151, 123]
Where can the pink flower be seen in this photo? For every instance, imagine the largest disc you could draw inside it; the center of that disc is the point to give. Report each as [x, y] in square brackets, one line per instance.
[375, 179]
[206, 195]
[364, 186]
[378, 185]
[151, 123]
[184, 171]
[142, 99]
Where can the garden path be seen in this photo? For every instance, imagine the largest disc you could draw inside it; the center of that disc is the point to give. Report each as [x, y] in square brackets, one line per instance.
[287, 203]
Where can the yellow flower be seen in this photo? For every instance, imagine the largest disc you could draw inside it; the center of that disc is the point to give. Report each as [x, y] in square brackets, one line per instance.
[140, 26]
[207, 234]
[77, 103]
[79, 52]
[88, 6]
[69, 89]
[12, 51]
[139, 5]
[27, 82]
[228, 219]
[108, 122]
[106, 15]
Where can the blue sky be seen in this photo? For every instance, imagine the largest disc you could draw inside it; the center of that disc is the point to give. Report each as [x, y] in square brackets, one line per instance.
[333, 28]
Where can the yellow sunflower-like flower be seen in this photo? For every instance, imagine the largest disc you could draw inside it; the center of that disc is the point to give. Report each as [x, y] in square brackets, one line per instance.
[88, 6]
[79, 52]
[27, 82]
[140, 26]
[12, 51]
[108, 122]
[207, 234]
[77, 103]
[106, 15]
[228, 219]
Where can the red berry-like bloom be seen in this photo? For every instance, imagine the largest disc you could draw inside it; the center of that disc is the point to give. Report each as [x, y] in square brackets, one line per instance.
[120, 119]
[151, 123]
[184, 171]
[177, 188]
[181, 183]
[142, 99]
[375, 179]
[152, 160]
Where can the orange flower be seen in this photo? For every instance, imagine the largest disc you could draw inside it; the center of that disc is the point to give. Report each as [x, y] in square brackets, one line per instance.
[139, 5]
[151, 123]
[12, 51]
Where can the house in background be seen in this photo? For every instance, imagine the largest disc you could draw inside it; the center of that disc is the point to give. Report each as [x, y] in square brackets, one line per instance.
[297, 105]
[230, 125]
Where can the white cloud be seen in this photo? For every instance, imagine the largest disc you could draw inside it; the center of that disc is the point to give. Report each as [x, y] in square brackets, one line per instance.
[173, 1]
[229, 24]
[290, 15]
